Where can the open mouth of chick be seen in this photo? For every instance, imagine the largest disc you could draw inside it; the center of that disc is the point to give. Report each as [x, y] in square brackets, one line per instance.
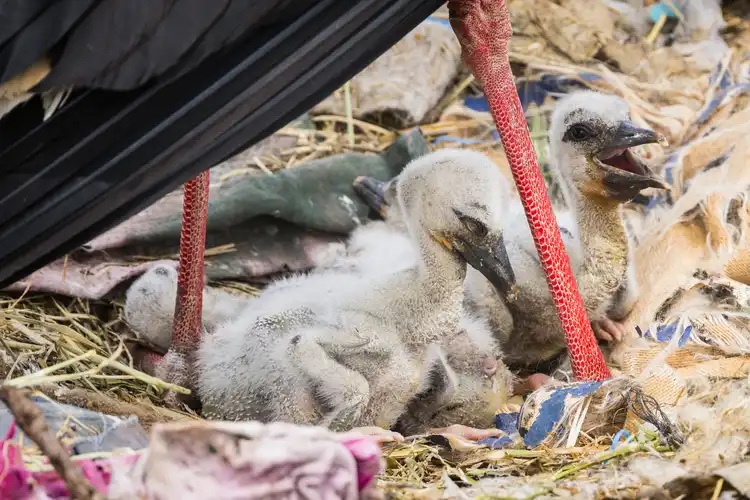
[623, 160]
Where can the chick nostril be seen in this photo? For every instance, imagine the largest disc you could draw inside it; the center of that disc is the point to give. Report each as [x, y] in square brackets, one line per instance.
[490, 367]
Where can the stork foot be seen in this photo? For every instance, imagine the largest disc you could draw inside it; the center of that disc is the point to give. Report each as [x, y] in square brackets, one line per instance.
[175, 368]
[608, 330]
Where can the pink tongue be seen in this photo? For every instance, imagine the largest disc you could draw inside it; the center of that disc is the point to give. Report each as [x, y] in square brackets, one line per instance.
[621, 162]
[615, 152]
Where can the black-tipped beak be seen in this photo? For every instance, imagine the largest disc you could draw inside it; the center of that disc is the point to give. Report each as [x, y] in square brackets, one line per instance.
[372, 192]
[493, 262]
[628, 135]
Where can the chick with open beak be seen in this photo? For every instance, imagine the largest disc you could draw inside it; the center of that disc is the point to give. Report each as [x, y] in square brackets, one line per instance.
[592, 141]
[605, 138]
[625, 173]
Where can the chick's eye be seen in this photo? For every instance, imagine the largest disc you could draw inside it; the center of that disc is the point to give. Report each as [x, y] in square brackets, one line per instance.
[477, 228]
[578, 133]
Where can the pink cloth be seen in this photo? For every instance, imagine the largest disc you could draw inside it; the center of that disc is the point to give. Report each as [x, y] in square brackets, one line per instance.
[18, 483]
[201, 459]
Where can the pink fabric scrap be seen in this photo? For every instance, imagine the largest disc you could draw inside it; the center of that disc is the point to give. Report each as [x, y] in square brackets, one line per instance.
[203, 459]
[18, 483]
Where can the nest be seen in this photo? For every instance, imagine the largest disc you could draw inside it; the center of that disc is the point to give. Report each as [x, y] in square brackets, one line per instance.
[74, 350]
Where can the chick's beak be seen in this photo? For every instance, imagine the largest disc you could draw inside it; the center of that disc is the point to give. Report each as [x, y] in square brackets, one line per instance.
[491, 259]
[372, 192]
[628, 135]
[625, 173]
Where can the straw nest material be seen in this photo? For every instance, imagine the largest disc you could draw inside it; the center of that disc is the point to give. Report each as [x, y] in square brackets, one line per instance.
[691, 249]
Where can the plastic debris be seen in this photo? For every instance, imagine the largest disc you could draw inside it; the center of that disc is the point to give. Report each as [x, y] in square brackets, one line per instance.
[88, 431]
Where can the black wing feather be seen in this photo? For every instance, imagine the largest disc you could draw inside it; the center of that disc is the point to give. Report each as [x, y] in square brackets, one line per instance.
[175, 35]
[240, 18]
[144, 39]
[109, 34]
[38, 36]
[15, 14]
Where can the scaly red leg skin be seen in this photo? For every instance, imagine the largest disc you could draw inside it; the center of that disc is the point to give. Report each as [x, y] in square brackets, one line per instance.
[175, 366]
[188, 318]
[483, 28]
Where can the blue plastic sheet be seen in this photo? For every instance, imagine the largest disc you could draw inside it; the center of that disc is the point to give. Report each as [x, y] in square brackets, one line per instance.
[92, 431]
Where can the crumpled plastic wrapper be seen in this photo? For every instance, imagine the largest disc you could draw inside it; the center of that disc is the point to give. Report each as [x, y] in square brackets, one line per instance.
[89, 431]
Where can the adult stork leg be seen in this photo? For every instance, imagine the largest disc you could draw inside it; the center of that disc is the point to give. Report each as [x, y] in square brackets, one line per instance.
[483, 28]
[175, 366]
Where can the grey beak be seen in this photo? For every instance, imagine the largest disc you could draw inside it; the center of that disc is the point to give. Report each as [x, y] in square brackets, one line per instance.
[628, 135]
[372, 192]
[493, 262]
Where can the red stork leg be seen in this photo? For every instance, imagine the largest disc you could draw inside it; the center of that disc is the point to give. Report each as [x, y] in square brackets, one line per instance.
[483, 28]
[175, 366]
[188, 318]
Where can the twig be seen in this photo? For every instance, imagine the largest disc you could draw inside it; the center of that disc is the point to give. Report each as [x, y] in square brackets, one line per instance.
[31, 421]
[65, 268]
[718, 488]
[651, 37]
[349, 113]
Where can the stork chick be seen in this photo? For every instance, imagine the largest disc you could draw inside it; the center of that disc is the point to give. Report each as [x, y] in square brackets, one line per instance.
[150, 304]
[465, 385]
[351, 355]
[455, 389]
[590, 139]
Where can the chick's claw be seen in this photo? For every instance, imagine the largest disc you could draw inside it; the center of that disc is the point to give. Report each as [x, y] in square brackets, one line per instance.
[381, 435]
[608, 330]
[530, 384]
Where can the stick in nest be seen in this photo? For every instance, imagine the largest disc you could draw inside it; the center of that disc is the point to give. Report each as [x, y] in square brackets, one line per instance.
[31, 421]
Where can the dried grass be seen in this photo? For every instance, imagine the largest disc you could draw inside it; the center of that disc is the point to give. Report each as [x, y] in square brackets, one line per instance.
[73, 350]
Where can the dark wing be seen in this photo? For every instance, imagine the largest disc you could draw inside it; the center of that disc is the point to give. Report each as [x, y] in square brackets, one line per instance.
[30, 28]
[136, 40]
[107, 155]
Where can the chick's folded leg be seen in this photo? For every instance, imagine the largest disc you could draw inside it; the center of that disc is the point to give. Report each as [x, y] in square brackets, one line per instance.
[345, 391]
